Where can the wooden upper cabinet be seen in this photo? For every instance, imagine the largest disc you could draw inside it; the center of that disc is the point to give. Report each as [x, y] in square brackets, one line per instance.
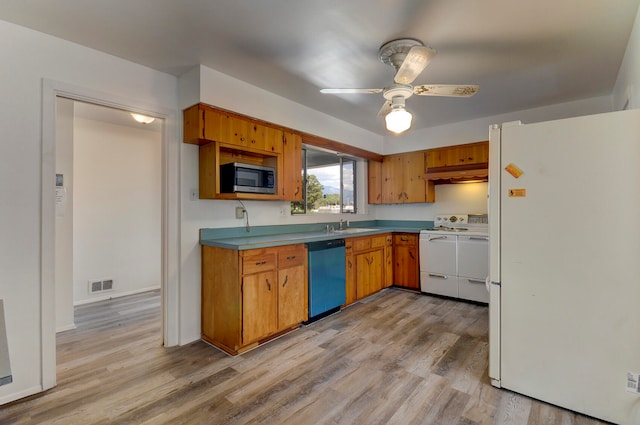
[469, 154]
[375, 181]
[403, 178]
[204, 124]
[292, 169]
[392, 180]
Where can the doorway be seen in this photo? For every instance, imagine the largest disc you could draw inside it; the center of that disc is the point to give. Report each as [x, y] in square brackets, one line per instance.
[170, 209]
[108, 205]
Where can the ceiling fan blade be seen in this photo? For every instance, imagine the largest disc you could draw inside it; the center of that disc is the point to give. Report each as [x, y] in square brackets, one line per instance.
[341, 91]
[449, 90]
[416, 61]
[386, 108]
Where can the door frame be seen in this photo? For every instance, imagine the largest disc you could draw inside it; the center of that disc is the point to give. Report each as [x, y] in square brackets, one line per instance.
[170, 214]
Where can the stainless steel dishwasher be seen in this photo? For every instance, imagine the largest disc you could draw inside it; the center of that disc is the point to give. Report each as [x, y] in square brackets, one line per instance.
[327, 278]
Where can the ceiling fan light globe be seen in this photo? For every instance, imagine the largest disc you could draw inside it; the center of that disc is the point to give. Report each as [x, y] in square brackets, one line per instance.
[398, 120]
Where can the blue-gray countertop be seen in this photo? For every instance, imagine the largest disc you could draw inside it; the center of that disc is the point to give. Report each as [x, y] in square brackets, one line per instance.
[266, 236]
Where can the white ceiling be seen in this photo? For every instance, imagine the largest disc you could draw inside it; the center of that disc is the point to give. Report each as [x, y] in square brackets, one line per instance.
[522, 53]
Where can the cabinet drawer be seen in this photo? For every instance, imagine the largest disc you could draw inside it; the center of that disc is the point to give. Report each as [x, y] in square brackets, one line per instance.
[405, 239]
[378, 241]
[292, 256]
[258, 262]
[361, 244]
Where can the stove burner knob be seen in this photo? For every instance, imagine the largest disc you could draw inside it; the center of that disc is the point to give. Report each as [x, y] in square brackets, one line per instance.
[453, 219]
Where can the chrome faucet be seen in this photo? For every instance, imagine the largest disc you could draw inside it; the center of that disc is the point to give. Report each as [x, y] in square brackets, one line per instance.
[341, 223]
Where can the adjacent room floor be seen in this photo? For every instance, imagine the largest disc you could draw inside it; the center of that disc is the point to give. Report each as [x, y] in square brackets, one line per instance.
[395, 358]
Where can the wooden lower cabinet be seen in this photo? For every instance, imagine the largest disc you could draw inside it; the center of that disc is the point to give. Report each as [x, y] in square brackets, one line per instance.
[406, 269]
[259, 306]
[366, 263]
[388, 261]
[369, 272]
[249, 297]
[291, 311]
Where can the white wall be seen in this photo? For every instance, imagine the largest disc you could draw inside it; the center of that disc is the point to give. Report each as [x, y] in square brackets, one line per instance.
[28, 57]
[116, 208]
[627, 88]
[468, 198]
[478, 130]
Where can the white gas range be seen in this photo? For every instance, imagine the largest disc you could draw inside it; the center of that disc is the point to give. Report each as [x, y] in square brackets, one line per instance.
[454, 257]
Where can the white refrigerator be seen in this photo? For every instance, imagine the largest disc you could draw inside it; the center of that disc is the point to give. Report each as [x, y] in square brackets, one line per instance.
[564, 279]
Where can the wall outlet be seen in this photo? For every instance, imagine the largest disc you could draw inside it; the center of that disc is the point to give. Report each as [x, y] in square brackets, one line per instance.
[239, 213]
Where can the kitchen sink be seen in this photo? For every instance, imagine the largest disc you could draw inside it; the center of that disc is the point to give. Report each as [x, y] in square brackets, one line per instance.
[352, 230]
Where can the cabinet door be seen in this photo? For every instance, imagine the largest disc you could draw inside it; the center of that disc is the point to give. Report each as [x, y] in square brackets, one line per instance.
[259, 306]
[436, 158]
[272, 139]
[406, 272]
[369, 272]
[193, 120]
[375, 182]
[214, 124]
[291, 297]
[414, 188]
[388, 261]
[403, 178]
[392, 180]
[477, 153]
[350, 276]
[292, 169]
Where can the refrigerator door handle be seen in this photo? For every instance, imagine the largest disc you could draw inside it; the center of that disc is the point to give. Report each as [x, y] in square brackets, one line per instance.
[496, 283]
[442, 276]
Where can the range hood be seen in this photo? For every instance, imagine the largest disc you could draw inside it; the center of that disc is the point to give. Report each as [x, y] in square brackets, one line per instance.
[470, 173]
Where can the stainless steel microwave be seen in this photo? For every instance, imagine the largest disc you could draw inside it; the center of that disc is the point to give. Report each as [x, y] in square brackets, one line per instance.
[237, 177]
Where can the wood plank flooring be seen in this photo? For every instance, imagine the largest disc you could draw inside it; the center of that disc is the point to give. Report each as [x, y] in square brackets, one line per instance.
[395, 358]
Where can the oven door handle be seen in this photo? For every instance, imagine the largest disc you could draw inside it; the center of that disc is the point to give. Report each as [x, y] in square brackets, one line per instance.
[433, 238]
[480, 281]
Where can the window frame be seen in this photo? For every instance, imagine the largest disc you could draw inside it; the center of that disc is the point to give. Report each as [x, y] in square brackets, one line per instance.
[342, 159]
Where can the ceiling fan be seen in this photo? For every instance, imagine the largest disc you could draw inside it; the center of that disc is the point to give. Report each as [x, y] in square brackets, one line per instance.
[409, 57]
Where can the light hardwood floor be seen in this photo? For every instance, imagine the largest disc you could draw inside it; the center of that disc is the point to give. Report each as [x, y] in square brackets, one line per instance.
[395, 358]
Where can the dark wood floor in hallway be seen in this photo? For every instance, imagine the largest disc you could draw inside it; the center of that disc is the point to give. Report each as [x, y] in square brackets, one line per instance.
[395, 358]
